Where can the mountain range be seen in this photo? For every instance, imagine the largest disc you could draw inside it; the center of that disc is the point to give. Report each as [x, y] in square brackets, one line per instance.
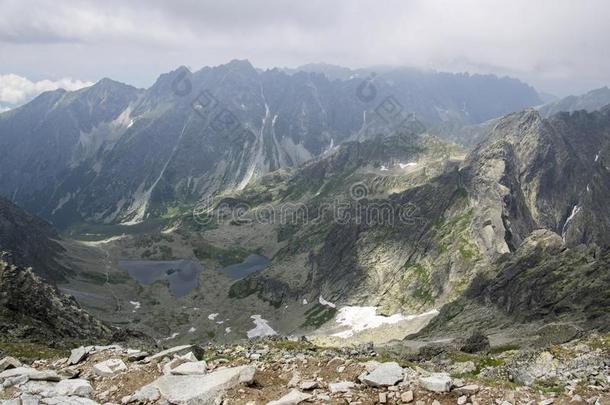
[348, 183]
[112, 153]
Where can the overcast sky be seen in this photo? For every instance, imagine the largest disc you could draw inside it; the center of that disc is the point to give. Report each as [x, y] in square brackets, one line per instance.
[559, 46]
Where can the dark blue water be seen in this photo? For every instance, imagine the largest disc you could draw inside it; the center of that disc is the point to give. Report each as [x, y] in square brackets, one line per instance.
[252, 264]
[181, 274]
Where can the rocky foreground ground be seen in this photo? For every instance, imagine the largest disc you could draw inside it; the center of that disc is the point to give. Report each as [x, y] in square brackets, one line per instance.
[283, 372]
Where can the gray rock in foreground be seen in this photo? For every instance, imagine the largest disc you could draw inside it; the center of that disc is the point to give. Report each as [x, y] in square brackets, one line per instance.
[386, 374]
[294, 397]
[9, 362]
[77, 355]
[436, 382]
[198, 389]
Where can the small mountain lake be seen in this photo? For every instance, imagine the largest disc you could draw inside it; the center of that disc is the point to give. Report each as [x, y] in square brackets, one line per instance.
[251, 264]
[181, 274]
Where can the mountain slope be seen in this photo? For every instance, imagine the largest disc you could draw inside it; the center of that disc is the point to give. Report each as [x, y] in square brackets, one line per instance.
[406, 223]
[379, 222]
[541, 185]
[48, 137]
[32, 242]
[33, 310]
[533, 173]
[459, 219]
[591, 101]
[543, 282]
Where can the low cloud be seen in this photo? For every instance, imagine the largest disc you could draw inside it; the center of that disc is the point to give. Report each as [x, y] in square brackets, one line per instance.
[559, 46]
[15, 89]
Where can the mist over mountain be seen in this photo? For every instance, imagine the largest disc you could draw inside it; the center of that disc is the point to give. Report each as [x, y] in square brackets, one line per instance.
[591, 101]
[112, 153]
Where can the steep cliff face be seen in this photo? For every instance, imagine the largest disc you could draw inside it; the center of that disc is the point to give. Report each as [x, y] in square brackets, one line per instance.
[542, 173]
[542, 282]
[540, 188]
[31, 309]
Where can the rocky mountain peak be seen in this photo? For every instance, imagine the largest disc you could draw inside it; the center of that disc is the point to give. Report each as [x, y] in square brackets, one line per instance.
[239, 64]
[107, 85]
[175, 82]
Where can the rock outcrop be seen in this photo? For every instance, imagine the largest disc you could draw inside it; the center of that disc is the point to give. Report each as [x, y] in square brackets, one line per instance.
[32, 242]
[31, 309]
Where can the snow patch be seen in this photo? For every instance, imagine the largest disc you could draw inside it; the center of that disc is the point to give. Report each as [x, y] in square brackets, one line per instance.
[213, 316]
[304, 301]
[173, 336]
[261, 329]
[384, 169]
[170, 230]
[192, 329]
[136, 305]
[410, 164]
[331, 146]
[62, 201]
[227, 330]
[564, 230]
[103, 241]
[358, 319]
[322, 301]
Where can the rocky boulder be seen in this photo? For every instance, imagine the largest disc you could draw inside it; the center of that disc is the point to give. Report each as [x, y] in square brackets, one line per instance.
[384, 375]
[436, 382]
[294, 397]
[109, 367]
[197, 389]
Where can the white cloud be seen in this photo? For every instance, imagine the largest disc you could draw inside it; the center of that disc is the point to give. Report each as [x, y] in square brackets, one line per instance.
[558, 45]
[15, 89]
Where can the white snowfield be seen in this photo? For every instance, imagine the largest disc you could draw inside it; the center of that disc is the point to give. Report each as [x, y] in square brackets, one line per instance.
[262, 328]
[136, 305]
[173, 336]
[322, 301]
[358, 319]
[403, 165]
[213, 316]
